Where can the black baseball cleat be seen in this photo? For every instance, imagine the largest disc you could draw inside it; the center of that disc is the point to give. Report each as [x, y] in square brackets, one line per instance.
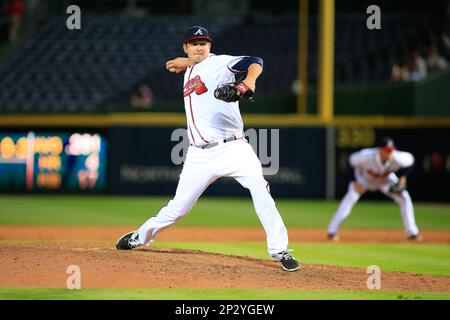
[415, 237]
[127, 241]
[287, 261]
[333, 237]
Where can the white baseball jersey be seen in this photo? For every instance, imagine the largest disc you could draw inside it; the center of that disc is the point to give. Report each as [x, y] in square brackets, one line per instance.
[210, 119]
[371, 171]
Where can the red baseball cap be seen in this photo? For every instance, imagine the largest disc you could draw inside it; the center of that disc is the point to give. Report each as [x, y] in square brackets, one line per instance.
[387, 144]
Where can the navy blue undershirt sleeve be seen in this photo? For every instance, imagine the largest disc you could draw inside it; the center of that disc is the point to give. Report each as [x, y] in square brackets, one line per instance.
[244, 63]
[404, 172]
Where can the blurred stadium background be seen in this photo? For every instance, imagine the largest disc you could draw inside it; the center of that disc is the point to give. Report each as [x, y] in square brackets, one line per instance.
[93, 110]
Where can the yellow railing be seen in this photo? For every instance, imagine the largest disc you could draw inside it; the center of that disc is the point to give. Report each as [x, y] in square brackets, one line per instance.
[179, 120]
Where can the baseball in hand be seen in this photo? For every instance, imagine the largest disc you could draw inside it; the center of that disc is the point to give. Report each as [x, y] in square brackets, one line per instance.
[173, 70]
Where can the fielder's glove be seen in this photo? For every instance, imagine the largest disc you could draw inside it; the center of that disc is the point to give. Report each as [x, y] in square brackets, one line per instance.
[229, 92]
[397, 188]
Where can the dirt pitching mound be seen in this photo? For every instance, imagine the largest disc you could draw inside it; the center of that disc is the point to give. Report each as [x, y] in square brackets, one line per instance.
[44, 264]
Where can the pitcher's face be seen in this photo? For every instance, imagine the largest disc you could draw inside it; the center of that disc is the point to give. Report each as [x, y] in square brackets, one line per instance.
[197, 50]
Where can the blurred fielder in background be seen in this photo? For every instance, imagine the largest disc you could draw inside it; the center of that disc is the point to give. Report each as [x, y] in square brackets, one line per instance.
[375, 170]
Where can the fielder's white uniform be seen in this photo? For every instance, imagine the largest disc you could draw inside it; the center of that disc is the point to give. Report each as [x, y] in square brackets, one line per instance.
[373, 175]
[210, 120]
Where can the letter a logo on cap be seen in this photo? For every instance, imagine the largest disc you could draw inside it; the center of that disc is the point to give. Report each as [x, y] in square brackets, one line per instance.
[199, 31]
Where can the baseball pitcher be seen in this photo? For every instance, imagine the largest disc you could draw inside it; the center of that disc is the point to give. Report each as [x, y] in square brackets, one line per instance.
[374, 170]
[218, 147]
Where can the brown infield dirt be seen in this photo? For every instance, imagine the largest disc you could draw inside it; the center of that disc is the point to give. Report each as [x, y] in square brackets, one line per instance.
[44, 263]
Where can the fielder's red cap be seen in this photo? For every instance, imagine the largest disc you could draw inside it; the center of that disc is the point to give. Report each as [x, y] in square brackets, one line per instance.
[196, 33]
[387, 144]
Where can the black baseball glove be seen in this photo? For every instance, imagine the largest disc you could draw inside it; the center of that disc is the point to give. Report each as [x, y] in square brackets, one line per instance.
[229, 92]
[397, 188]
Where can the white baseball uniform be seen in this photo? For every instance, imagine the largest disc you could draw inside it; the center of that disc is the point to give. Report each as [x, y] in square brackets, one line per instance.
[211, 121]
[373, 175]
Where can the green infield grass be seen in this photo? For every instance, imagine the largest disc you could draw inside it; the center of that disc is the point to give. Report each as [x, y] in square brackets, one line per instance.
[14, 293]
[209, 211]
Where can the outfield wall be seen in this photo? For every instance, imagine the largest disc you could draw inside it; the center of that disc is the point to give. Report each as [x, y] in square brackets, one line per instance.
[147, 159]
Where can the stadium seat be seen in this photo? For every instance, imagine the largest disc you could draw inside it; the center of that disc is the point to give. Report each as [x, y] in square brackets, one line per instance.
[85, 70]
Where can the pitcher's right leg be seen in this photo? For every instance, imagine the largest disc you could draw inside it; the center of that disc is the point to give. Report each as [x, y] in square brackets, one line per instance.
[194, 179]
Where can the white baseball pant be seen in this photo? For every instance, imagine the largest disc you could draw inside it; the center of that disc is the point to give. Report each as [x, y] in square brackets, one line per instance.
[351, 197]
[201, 168]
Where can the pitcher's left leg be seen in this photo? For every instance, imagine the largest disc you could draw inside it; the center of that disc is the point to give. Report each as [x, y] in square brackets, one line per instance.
[277, 237]
[240, 162]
